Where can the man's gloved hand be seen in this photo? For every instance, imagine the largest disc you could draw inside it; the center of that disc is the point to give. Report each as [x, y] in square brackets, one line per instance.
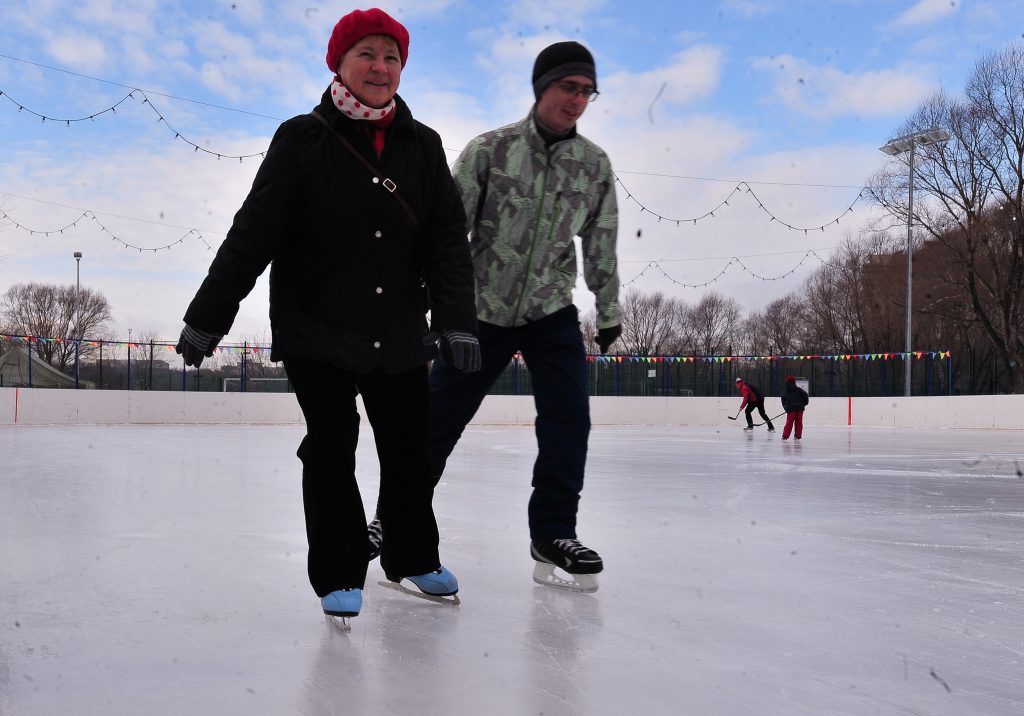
[458, 348]
[195, 344]
[606, 336]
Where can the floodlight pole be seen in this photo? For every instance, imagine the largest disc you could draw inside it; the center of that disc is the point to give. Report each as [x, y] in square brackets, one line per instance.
[78, 313]
[908, 363]
[908, 143]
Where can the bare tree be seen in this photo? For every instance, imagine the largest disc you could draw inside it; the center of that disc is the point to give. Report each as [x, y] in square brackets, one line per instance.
[780, 328]
[646, 322]
[588, 326]
[146, 354]
[681, 339]
[972, 188]
[257, 356]
[715, 322]
[50, 311]
[880, 283]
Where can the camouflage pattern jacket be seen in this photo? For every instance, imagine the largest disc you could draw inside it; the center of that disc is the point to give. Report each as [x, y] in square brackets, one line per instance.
[524, 204]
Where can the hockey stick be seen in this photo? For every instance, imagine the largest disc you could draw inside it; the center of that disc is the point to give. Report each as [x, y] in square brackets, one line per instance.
[737, 414]
[771, 419]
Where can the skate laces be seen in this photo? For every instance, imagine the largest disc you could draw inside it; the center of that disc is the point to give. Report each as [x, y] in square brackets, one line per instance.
[572, 546]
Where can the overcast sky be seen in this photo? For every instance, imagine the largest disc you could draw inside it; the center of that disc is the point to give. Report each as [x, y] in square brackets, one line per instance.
[792, 97]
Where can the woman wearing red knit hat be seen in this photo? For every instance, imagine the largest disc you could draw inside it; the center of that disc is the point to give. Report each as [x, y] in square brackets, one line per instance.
[357, 211]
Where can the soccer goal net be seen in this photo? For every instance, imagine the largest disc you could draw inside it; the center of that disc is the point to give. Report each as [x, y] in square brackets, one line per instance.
[256, 385]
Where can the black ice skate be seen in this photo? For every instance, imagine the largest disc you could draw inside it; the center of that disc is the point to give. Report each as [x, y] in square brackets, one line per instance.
[375, 535]
[577, 565]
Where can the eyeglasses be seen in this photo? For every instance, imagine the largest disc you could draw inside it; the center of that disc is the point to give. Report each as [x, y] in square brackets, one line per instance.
[572, 89]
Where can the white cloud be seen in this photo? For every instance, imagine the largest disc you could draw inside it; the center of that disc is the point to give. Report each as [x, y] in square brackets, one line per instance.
[235, 63]
[507, 62]
[692, 254]
[689, 36]
[250, 12]
[171, 188]
[925, 12]
[30, 16]
[749, 8]
[117, 17]
[824, 91]
[567, 16]
[80, 50]
[696, 145]
[418, 9]
[433, 106]
[692, 74]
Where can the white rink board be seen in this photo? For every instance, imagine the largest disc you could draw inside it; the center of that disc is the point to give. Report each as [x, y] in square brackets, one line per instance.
[39, 406]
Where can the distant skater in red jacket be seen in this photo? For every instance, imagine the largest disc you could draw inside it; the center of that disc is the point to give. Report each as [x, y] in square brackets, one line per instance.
[753, 398]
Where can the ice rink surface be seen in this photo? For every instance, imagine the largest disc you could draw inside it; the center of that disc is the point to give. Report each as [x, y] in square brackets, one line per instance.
[161, 570]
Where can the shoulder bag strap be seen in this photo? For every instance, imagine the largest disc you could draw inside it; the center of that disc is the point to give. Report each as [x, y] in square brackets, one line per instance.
[388, 184]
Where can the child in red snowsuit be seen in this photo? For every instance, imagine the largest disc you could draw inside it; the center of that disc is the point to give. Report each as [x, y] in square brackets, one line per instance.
[794, 400]
[753, 398]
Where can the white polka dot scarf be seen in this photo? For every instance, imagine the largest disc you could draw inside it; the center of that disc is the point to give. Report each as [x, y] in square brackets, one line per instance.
[346, 102]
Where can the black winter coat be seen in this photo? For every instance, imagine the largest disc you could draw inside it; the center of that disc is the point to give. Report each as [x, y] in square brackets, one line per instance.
[346, 284]
[794, 398]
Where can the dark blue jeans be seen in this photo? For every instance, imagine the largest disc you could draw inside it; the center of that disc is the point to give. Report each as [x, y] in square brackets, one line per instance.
[553, 350]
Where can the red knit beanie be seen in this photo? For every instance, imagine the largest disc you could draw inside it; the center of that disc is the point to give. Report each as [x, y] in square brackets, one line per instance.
[790, 378]
[358, 24]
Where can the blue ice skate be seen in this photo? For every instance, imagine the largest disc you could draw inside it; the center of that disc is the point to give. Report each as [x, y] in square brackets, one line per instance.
[438, 586]
[342, 604]
[439, 583]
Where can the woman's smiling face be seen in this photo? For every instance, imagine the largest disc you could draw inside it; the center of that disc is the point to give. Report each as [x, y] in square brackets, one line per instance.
[372, 69]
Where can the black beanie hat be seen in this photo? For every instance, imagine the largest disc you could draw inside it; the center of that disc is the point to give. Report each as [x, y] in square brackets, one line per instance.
[561, 60]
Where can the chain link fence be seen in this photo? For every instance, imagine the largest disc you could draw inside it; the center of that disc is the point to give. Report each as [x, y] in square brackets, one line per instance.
[124, 365]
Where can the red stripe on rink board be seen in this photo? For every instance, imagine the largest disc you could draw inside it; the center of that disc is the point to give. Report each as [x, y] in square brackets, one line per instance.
[849, 410]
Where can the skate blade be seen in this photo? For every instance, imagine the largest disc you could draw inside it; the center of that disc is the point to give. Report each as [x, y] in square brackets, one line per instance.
[342, 623]
[545, 575]
[450, 600]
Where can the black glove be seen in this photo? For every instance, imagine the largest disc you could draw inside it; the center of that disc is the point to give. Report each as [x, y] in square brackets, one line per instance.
[606, 336]
[194, 344]
[461, 349]
[458, 348]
